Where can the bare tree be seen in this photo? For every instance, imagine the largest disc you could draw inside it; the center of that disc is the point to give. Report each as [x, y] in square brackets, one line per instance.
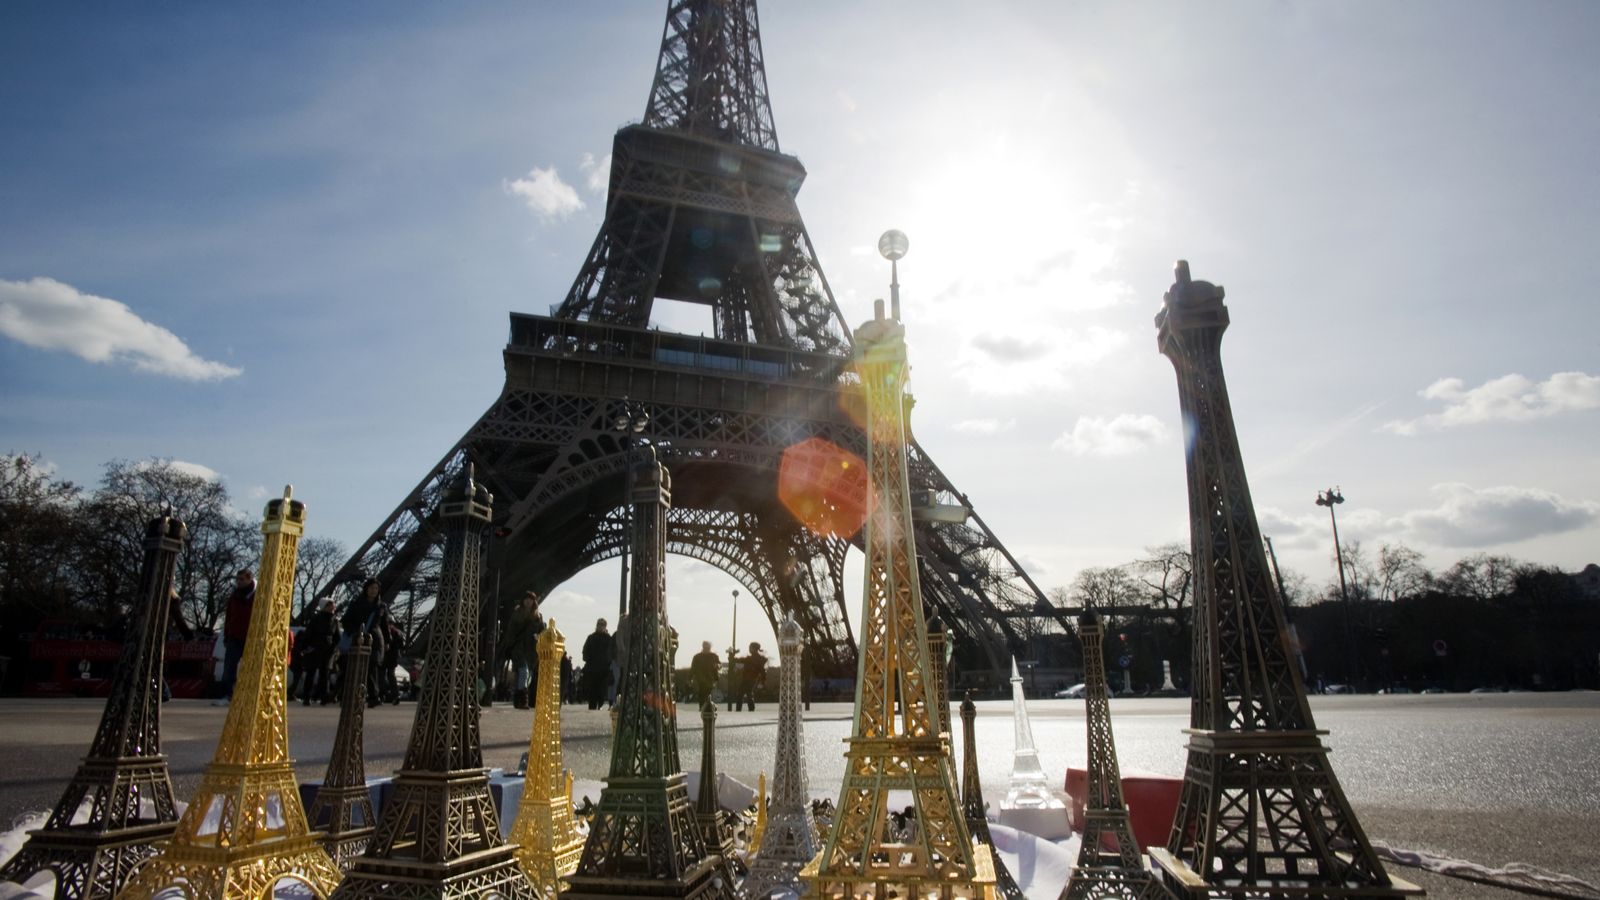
[1481, 575]
[38, 534]
[1168, 571]
[320, 558]
[1104, 587]
[1401, 572]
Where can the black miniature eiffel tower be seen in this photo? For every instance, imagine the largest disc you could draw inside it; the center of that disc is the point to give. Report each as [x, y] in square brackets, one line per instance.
[1102, 873]
[972, 805]
[644, 838]
[1261, 813]
[123, 785]
[439, 834]
[342, 809]
[701, 210]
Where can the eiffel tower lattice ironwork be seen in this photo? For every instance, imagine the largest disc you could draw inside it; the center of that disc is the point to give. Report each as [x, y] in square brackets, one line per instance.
[1261, 813]
[245, 829]
[1102, 873]
[644, 838]
[122, 786]
[438, 836]
[701, 210]
[788, 837]
[895, 743]
[342, 808]
[546, 835]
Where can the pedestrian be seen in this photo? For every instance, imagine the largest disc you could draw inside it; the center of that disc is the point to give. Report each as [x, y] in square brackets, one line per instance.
[703, 672]
[393, 638]
[176, 623]
[520, 644]
[568, 695]
[235, 631]
[755, 674]
[317, 642]
[362, 617]
[619, 657]
[597, 650]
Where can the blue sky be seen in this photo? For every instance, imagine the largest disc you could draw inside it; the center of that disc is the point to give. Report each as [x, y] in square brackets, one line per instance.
[316, 220]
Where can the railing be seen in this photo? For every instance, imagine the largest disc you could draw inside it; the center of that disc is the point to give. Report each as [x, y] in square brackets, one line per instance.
[566, 338]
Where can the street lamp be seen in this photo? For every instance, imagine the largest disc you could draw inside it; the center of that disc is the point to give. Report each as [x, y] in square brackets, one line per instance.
[733, 649]
[630, 419]
[893, 246]
[1331, 498]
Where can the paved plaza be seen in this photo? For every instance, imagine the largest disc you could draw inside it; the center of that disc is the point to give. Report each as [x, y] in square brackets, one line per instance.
[1489, 778]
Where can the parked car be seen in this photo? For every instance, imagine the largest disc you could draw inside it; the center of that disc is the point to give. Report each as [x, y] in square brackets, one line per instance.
[1338, 689]
[1072, 693]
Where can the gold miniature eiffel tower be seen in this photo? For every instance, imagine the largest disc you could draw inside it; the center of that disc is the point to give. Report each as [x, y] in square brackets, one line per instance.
[758, 829]
[342, 808]
[896, 743]
[547, 838]
[245, 828]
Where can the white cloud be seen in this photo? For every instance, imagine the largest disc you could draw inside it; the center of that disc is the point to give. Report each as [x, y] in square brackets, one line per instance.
[597, 174]
[1509, 398]
[1127, 433]
[999, 363]
[188, 468]
[546, 194]
[47, 314]
[1469, 517]
[984, 426]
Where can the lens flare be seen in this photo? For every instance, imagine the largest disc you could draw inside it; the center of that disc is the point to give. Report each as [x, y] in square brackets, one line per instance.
[824, 486]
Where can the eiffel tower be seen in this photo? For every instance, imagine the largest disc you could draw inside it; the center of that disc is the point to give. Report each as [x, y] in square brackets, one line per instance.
[124, 779]
[701, 209]
[342, 808]
[545, 833]
[1102, 874]
[973, 808]
[1261, 813]
[787, 837]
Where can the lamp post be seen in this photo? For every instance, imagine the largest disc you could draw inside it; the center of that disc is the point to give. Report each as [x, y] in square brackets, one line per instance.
[1331, 498]
[733, 650]
[631, 419]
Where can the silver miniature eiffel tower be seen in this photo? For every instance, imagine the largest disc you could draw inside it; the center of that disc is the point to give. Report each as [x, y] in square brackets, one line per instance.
[1029, 788]
[790, 838]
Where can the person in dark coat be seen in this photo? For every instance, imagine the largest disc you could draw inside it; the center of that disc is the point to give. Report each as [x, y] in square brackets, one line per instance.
[520, 644]
[236, 630]
[363, 616]
[597, 649]
[703, 672]
[568, 694]
[755, 675]
[316, 643]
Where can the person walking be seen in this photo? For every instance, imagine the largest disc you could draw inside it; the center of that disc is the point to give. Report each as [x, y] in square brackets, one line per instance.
[520, 644]
[317, 641]
[362, 617]
[393, 640]
[597, 650]
[568, 695]
[235, 631]
[703, 672]
[755, 674]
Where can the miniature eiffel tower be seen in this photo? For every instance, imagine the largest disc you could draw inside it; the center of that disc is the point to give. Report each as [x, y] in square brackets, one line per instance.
[439, 835]
[1261, 813]
[758, 828]
[714, 828]
[894, 746]
[1118, 873]
[972, 805]
[644, 839]
[342, 809]
[547, 838]
[123, 780]
[245, 828]
[789, 837]
[1030, 787]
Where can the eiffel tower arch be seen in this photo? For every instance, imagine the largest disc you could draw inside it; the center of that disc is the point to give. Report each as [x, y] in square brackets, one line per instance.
[700, 209]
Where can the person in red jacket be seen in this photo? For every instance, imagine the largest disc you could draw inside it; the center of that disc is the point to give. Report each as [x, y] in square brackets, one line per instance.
[235, 630]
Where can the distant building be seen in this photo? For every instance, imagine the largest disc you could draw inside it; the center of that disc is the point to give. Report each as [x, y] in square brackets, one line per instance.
[1588, 581]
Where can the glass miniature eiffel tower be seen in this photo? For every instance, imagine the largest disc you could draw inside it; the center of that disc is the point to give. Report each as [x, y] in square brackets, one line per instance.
[1029, 788]
[972, 805]
[342, 808]
[546, 835]
[644, 839]
[895, 743]
[1117, 872]
[788, 837]
[439, 834]
[245, 828]
[123, 782]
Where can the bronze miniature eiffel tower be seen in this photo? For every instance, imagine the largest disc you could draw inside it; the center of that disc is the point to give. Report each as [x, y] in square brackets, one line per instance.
[644, 839]
[123, 781]
[1118, 873]
[545, 833]
[342, 809]
[895, 745]
[245, 828]
[439, 835]
[972, 805]
[714, 829]
[1261, 814]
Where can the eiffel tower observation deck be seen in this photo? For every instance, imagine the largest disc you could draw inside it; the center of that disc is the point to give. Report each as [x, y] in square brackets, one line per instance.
[701, 208]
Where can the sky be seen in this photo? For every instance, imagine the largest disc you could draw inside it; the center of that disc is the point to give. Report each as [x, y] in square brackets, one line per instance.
[280, 243]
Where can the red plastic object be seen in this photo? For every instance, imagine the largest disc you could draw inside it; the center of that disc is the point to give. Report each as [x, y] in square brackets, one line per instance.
[1152, 804]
